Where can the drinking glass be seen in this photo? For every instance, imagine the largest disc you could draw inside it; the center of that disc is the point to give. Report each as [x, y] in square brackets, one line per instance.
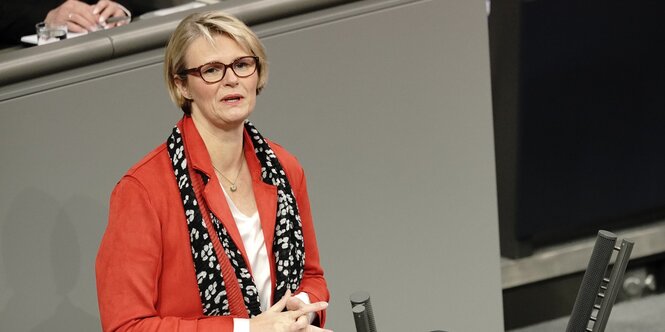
[49, 33]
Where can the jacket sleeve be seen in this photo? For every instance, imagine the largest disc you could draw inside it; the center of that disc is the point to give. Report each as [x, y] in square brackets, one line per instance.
[313, 283]
[128, 269]
[139, 7]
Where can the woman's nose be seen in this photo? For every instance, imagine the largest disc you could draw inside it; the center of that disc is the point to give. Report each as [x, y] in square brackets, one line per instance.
[230, 77]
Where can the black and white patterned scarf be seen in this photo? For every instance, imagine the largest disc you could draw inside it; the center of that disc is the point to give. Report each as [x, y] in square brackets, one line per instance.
[288, 245]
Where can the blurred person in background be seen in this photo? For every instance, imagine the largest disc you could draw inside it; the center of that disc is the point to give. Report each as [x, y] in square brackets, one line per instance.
[18, 17]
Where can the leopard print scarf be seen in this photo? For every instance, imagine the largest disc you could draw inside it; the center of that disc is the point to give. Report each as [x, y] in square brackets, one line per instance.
[288, 246]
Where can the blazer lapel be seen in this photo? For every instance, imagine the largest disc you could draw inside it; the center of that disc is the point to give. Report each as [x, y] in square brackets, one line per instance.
[266, 202]
[265, 196]
[213, 196]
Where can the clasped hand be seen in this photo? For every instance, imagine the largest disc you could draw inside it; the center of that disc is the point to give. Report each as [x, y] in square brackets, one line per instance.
[294, 319]
[81, 17]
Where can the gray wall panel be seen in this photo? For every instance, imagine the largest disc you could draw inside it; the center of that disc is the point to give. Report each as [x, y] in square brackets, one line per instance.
[63, 150]
[390, 115]
[388, 111]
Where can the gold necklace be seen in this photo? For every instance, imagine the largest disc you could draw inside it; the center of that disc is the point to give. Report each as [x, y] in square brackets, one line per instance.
[233, 186]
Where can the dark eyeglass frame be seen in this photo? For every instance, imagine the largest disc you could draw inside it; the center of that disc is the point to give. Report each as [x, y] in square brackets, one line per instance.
[197, 71]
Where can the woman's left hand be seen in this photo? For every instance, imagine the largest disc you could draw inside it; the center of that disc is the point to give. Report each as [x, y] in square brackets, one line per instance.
[302, 324]
[107, 9]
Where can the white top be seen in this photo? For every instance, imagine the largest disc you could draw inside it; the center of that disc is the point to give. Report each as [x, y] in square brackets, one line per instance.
[250, 231]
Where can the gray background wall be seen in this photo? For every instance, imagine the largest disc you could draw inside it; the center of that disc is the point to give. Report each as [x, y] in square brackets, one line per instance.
[387, 106]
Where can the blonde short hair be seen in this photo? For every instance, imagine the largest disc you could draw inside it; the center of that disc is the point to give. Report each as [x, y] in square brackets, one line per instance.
[207, 25]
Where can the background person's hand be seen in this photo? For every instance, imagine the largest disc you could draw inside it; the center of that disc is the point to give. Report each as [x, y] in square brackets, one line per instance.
[106, 9]
[75, 14]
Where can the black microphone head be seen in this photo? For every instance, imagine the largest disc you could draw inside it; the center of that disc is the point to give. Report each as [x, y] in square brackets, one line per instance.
[359, 297]
[591, 282]
[358, 309]
[364, 315]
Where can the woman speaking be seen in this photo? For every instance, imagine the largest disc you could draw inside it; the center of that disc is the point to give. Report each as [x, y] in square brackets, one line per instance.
[212, 230]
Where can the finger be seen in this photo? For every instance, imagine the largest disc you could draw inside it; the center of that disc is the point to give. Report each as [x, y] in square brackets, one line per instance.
[305, 309]
[103, 10]
[314, 307]
[73, 27]
[312, 328]
[64, 14]
[294, 303]
[300, 323]
[118, 18]
[109, 11]
[281, 304]
[54, 20]
[100, 6]
[81, 13]
[124, 22]
[86, 14]
[86, 22]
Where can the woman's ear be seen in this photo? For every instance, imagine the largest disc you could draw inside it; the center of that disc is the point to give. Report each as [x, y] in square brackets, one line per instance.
[182, 87]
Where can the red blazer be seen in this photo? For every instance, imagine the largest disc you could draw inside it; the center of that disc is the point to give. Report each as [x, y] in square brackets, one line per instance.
[145, 272]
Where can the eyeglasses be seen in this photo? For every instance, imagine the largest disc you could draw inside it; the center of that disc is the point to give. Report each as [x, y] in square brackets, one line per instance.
[213, 72]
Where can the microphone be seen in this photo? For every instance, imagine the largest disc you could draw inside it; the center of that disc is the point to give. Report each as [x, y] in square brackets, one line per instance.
[362, 312]
[597, 292]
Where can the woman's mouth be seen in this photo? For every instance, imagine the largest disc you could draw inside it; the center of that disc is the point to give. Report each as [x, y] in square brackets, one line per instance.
[231, 99]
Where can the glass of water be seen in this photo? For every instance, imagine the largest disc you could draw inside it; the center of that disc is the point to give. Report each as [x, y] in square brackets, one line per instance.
[49, 33]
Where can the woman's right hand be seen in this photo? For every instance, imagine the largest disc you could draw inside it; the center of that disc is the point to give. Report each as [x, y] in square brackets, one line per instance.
[277, 320]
